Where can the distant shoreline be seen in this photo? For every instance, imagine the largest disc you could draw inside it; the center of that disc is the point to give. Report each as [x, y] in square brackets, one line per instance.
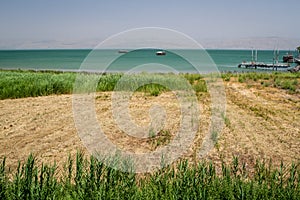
[122, 72]
[91, 49]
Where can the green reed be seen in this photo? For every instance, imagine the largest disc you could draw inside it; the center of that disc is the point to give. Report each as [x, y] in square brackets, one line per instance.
[20, 84]
[85, 178]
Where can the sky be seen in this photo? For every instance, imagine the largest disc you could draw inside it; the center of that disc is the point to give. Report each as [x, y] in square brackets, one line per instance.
[25, 22]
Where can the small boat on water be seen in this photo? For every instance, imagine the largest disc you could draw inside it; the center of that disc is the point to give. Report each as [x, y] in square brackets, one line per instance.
[122, 51]
[160, 53]
[288, 58]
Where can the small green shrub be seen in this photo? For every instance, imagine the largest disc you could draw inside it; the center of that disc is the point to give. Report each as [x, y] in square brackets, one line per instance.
[163, 137]
[287, 84]
[200, 86]
[241, 79]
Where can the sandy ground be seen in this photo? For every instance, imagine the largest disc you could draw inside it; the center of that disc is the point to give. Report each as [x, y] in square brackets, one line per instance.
[261, 123]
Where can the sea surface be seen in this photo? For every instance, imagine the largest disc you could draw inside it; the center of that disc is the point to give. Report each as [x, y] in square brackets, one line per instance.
[146, 59]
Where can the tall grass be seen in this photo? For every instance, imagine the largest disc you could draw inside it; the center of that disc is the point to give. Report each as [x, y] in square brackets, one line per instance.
[19, 84]
[90, 179]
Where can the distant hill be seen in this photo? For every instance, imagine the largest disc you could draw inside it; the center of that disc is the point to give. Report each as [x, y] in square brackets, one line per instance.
[233, 43]
[253, 42]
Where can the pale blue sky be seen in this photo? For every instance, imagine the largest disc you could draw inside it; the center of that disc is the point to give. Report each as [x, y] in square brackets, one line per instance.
[74, 20]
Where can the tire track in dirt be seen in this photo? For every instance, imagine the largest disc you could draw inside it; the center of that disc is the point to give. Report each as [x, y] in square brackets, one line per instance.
[256, 123]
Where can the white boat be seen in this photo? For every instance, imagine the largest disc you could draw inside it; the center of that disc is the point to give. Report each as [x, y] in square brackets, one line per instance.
[160, 53]
[122, 51]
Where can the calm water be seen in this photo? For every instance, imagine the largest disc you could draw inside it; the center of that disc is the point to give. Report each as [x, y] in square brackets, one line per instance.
[225, 60]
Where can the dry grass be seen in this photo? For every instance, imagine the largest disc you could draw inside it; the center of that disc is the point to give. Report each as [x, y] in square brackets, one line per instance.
[261, 123]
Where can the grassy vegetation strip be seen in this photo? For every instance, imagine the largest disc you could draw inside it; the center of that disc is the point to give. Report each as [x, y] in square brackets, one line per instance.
[90, 179]
[282, 80]
[20, 84]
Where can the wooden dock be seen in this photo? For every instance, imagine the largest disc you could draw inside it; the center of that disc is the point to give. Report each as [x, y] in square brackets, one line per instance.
[260, 65]
[254, 64]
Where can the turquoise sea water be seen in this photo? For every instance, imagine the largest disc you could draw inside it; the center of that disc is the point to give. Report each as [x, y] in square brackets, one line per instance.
[112, 60]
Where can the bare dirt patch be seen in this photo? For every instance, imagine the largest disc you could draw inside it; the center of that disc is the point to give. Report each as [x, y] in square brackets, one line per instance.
[261, 123]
